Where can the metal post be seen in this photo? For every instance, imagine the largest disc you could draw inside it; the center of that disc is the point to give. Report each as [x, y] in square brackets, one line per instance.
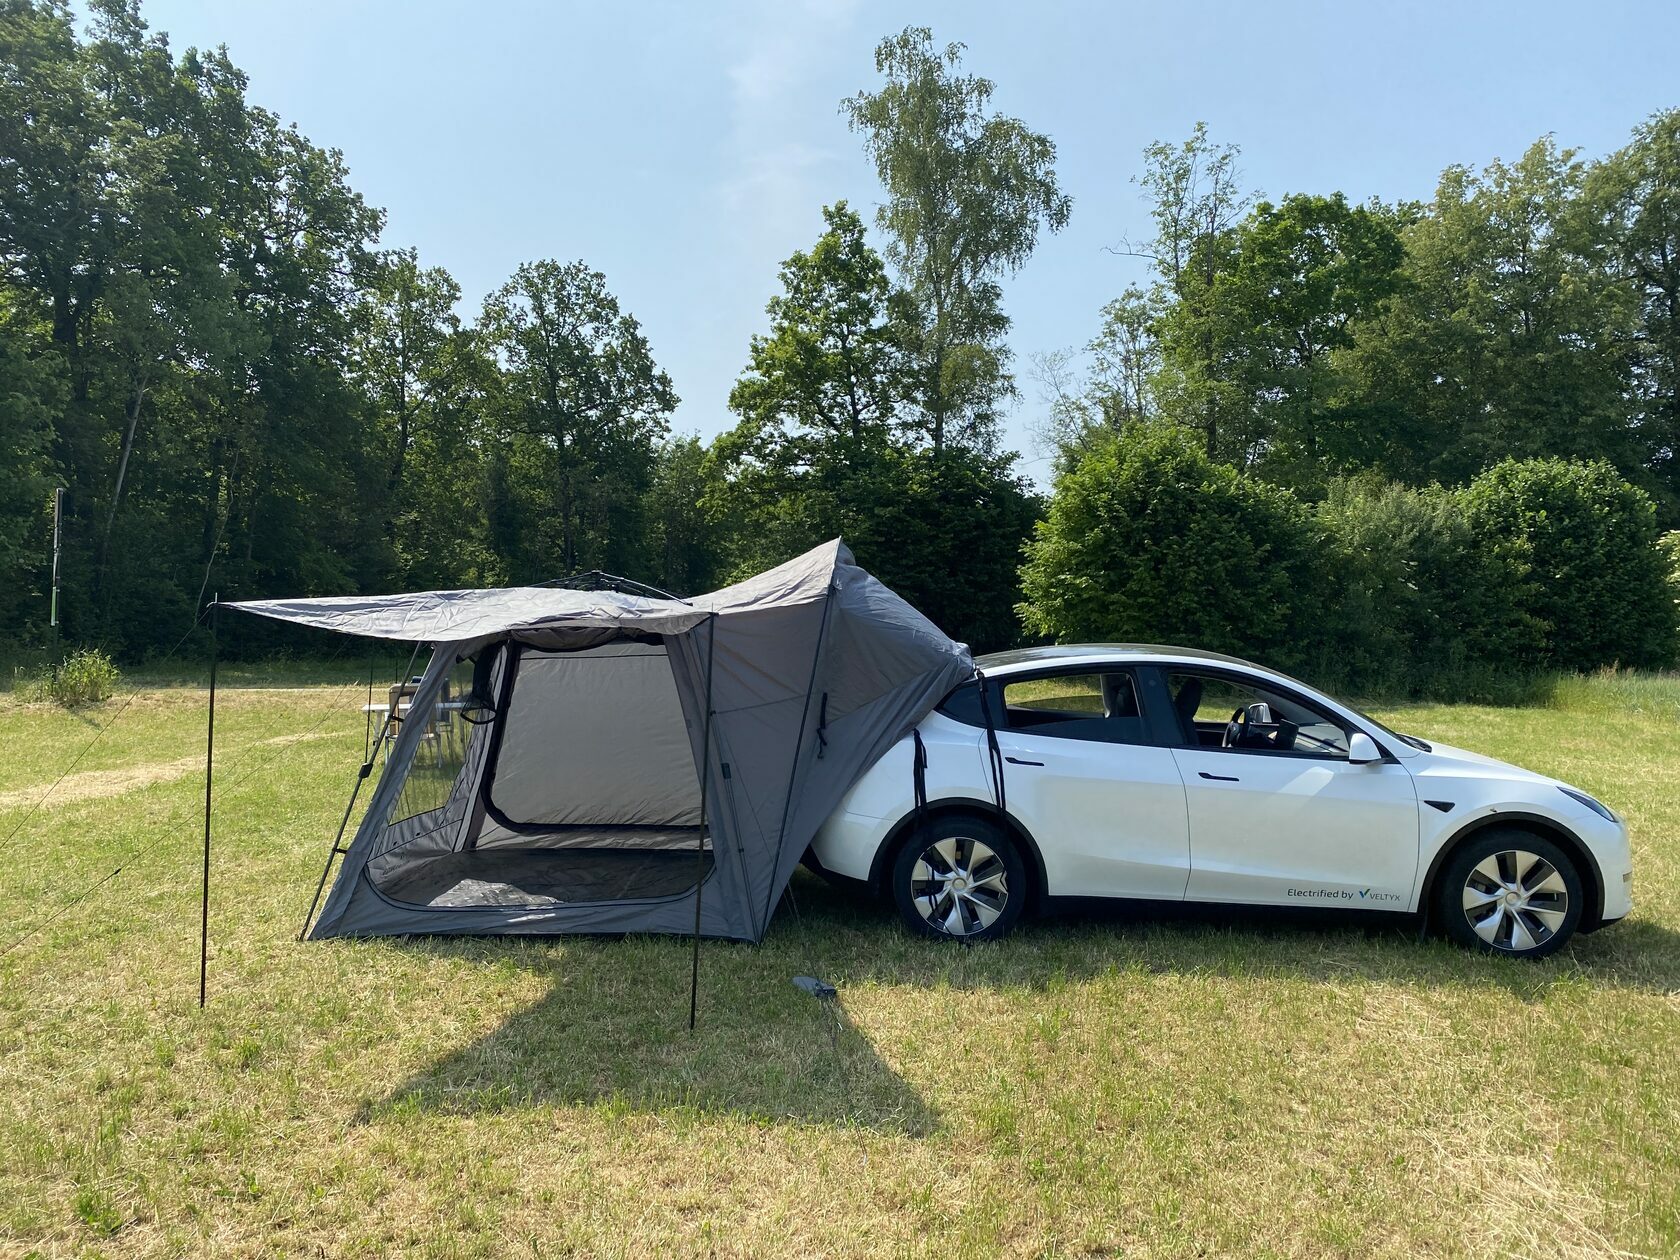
[209, 760]
[58, 535]
[705, 827]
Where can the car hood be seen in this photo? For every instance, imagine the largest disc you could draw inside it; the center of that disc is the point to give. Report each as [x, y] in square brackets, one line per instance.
[1445, 761]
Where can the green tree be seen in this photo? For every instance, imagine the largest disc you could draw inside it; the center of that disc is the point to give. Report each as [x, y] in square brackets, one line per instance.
[819, 404]
[1148, 540]
[406, 331]
[1599, 583]
[583, 403]
[820, 451]
[1119, 389]
[967, 192]
[1633, 198]
[1507, 337]
[30, 395]
[1302, 273]
[1196, 199]
[1416, 600]
[832, 370]
[684, 536]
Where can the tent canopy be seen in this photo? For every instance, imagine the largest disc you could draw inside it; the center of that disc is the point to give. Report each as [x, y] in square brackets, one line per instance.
[588, 761]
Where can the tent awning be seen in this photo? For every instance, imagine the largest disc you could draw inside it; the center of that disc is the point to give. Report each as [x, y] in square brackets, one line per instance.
[455, 616]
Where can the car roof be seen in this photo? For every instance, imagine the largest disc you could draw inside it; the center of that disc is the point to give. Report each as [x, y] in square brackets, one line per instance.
[1018, 659]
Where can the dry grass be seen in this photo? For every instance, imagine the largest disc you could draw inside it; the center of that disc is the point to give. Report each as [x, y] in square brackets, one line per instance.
[1175, 1086]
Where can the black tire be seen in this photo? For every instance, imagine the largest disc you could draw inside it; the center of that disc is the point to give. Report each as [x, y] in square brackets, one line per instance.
[1491, 897]
[960, 870]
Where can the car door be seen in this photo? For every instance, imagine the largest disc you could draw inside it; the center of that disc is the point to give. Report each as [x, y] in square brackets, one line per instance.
[1285, 818]
[1088, 776]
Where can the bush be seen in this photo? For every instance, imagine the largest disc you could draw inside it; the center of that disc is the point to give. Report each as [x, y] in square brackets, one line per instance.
[1595, 577]
[1417, 604]
[1379, 589]
[86, 676]
[1148, 540]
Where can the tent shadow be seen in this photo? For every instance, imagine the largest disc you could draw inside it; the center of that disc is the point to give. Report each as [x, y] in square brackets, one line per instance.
[611, 1030]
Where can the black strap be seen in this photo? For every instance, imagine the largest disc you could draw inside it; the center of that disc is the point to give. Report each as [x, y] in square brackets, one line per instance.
[822, 727]
[994, 753]
[919, 773]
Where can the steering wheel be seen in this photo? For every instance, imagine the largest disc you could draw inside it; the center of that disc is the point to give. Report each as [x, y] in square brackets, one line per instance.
[1236, 730]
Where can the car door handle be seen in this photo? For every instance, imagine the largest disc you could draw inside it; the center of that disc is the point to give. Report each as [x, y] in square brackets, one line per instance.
[1223, 778]
[1017, 761]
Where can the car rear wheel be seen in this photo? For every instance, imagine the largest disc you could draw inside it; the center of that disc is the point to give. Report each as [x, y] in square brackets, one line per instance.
[1507, 891]
[959, 878]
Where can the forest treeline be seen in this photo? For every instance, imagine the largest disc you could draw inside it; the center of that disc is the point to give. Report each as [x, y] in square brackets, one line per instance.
[244, 389]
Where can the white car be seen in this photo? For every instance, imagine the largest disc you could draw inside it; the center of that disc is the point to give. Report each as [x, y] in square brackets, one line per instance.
[1169, 774]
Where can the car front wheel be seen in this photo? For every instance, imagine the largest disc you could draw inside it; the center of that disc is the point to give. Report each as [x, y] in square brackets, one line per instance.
[1507, 891]
[960, 878]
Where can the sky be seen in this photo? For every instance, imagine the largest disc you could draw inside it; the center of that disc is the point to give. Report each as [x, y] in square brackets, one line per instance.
[686, 149]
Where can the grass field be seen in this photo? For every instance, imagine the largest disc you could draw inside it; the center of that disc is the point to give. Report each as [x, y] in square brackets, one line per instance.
[1166, 1087]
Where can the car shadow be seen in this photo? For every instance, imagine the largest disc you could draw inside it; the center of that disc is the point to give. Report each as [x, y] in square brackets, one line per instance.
[864, 942]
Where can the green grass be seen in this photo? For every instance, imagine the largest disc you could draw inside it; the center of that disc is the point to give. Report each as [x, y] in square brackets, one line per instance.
[1158, 1087]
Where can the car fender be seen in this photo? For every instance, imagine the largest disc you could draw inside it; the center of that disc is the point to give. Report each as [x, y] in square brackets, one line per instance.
[959, 803]
[1462, 827]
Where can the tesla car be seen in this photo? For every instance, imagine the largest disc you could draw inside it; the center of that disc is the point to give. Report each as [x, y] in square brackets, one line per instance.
[1168, 774]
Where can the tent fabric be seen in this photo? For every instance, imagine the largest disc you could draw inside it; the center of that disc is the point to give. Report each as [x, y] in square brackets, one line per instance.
[577, 808]
[453, 616]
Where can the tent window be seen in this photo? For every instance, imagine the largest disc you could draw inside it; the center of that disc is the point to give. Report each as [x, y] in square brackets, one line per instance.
[442, 751]
[589, 790]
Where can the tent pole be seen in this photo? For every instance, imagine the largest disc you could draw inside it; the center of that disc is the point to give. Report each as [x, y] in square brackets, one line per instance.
[209, 761]
[700, 852]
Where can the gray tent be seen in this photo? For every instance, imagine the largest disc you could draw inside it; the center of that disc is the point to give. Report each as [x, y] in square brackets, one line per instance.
[590, 761]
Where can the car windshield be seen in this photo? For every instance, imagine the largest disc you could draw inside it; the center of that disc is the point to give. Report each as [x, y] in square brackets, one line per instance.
[1411, 740]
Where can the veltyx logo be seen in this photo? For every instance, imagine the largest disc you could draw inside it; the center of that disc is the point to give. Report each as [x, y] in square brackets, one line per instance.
[1369, 896]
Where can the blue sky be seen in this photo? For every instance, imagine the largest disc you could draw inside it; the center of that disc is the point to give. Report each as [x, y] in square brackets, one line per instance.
[686, 149]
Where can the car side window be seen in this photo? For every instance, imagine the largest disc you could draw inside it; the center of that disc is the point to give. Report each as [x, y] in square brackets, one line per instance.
[1099, 705]
[1275, 722]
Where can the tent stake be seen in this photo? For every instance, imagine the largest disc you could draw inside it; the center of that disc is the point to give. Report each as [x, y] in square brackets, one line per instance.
[700, 856]
[209, 761]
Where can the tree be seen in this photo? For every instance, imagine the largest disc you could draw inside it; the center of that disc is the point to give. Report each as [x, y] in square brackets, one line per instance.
[832, 369]
[1196, 199]
[30, 394]
[1633, 199]
[1507, 335]
[1119, 390]
[1148, 540]
[1302, 273]
[683, 537]
[1599, 583]
[405, 331]
[1417, 600]
[819, 404]
[967, 192]
[584, 404]
[820, 451]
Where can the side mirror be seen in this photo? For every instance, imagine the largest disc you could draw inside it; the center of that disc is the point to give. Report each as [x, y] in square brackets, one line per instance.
[1363, 750]
[1260, 714]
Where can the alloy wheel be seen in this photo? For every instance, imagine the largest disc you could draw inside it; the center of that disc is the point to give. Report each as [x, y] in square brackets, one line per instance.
[959, 885]
[1515, 900]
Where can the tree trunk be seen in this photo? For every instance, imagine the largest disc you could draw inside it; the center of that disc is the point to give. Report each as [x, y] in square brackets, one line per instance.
[122, 470]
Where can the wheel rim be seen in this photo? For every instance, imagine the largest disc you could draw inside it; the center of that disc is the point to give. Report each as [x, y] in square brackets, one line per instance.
[959, 885]
[1515, 900]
